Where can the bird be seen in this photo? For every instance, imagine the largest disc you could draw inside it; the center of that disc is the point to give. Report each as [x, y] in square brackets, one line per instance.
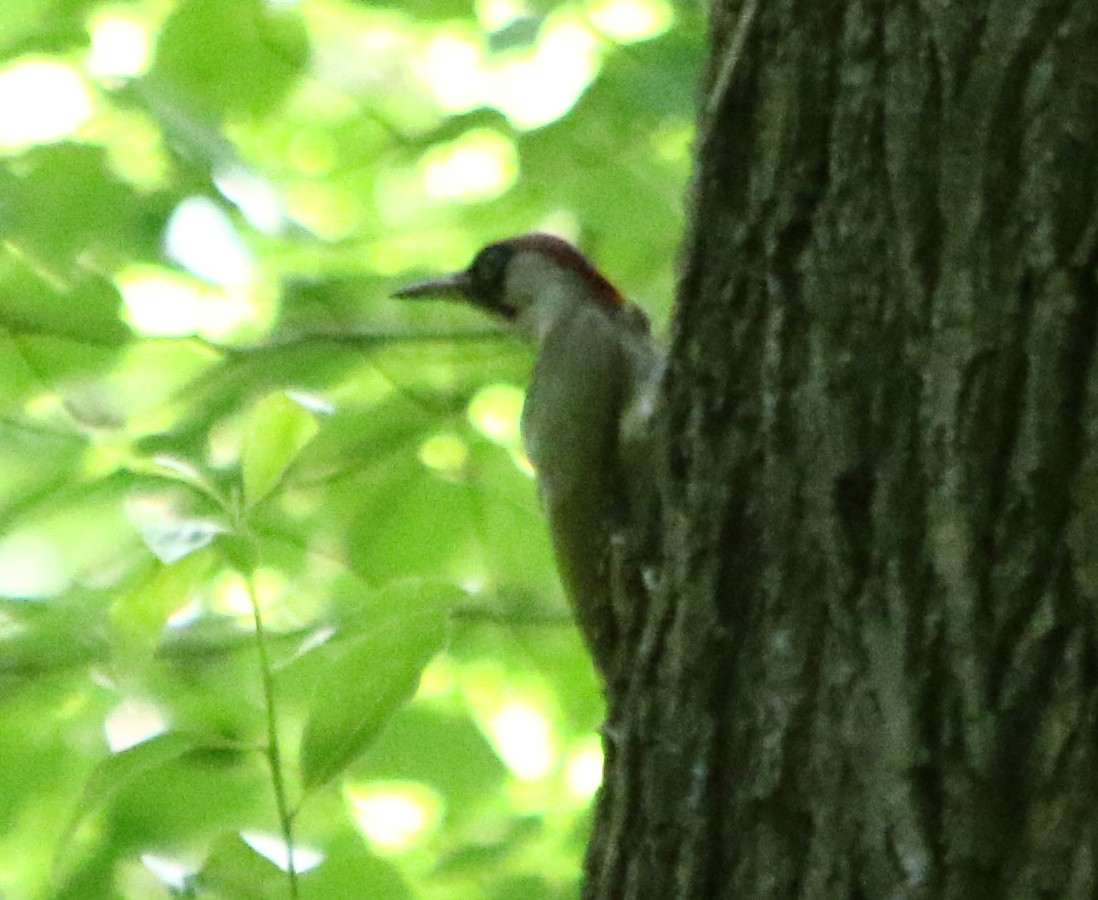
[588, 418]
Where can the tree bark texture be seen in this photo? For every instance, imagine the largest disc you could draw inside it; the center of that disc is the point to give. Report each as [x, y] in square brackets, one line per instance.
[866, 664]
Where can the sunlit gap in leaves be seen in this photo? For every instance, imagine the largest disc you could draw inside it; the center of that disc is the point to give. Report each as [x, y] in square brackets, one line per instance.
[626, 21]
[231, 596]
[531, 80]
[531, 86]
[202, 238]
[161, 303]
[224, 298]
[583, 770]
[521, 724]
[274, 848]
[170, 872]
[121, 45]
[495, 411]
[524, 739]
[253, 195]
[515, 719]
[132, 722]
[480, 165]
[41, 100]
[497, 14]
[31, 566]
[394, 816]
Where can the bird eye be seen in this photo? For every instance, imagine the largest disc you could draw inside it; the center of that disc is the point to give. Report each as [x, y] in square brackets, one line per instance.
[488, 271]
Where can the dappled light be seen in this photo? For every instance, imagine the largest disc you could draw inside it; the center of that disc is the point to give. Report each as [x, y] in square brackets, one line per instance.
[445, 453]
[203, 240]
[394, 817]
[132, 721]
[31, 566]
[159, 302]
[631, 20]
[278, 607]
[41, 100]
[584, 769]
[121, 45]
[480, 165]
[495, 411]
[524, 738]
[275, 849]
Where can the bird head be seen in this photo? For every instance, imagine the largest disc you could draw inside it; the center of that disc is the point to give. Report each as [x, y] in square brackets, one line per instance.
[528, 280]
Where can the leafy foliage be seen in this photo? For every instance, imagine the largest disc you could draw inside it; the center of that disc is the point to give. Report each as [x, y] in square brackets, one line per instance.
[273, 580]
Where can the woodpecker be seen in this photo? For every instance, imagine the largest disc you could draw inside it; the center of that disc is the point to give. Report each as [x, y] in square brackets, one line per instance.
[587, 423]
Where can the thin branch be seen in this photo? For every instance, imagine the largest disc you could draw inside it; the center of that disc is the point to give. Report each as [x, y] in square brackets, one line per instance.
[729, 62]
[358, 339]
[274, 751]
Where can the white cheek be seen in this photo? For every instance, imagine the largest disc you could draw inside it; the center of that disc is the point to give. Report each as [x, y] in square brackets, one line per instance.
[541, 293]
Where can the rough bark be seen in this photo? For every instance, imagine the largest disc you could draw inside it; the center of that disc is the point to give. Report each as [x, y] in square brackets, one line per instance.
[867, 667]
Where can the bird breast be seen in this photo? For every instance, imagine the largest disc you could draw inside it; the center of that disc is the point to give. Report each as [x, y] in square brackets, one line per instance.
[573, 404]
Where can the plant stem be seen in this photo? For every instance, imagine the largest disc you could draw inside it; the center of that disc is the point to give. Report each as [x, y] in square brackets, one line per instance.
[274, 752]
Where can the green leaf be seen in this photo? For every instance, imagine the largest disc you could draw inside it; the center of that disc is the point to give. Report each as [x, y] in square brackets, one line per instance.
[239, 552]
[234, 869]
[61, 202]
[239, 57]
[139, 616]
[350, 870]
[180, 788]
[121, 769]
[445, 749]
[376, 675]
[82, 310]
[277, 431]
[22, 18]
[47, 25]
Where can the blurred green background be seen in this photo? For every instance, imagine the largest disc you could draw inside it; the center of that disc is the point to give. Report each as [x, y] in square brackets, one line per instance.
[210, 408]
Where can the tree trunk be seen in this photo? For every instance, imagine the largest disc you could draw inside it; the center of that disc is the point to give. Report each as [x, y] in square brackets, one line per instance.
[868, 666]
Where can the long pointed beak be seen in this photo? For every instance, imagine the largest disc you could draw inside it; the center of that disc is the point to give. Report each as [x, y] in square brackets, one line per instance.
[448, 287]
